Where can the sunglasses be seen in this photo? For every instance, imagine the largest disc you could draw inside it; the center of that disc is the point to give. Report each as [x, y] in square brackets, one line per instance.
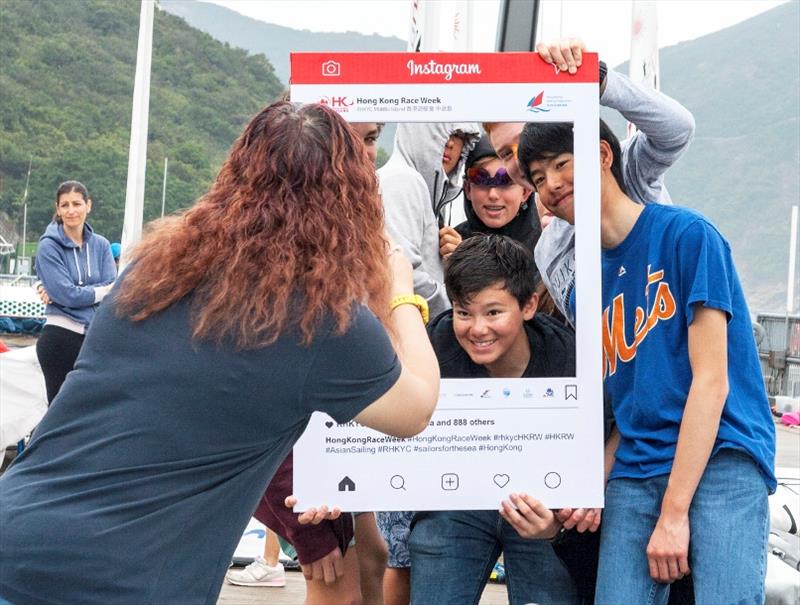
[480, 177]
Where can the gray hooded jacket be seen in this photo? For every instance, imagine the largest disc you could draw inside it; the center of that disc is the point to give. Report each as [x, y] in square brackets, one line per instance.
[417, 198]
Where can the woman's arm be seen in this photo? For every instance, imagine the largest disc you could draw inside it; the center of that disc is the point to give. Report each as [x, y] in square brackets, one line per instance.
[406, 408]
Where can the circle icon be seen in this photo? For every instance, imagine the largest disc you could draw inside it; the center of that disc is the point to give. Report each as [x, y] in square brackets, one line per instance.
[552, 480]
[398, 482]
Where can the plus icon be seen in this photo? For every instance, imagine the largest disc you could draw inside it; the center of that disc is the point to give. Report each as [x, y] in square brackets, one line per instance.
[449, 481]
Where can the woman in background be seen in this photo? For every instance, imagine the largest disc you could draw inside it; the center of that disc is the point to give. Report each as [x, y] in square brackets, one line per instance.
[77, 270]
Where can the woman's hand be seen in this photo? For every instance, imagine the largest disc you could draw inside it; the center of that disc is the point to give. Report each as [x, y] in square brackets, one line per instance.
[43, 294]
[402, 273]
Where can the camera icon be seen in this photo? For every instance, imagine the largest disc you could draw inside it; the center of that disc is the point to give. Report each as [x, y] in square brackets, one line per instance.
[330, 68]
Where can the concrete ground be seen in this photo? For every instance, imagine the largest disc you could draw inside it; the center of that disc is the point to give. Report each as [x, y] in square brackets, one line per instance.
[788, 455]
[295, 591]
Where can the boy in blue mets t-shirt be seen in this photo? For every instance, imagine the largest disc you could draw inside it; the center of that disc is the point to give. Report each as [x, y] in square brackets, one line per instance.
[694, 465]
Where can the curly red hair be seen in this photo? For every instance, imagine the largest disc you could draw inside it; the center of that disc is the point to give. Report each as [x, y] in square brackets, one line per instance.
[290, 232]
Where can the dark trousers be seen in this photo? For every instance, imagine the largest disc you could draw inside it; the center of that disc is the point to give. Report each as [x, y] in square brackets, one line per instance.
[57, 349]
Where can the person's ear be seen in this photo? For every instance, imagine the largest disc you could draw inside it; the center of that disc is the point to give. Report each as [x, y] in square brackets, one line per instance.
[529, 309]
[606, 155]
[527, 192]
[88, 205]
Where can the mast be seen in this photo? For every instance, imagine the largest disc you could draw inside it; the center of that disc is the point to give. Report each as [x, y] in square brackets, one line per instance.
[164, 189]
[25, 219]
[643, 65]
[137, 152]
[442, 26]
[792, 265]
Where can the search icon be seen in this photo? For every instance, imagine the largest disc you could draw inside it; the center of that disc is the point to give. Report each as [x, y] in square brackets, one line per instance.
[398, 482]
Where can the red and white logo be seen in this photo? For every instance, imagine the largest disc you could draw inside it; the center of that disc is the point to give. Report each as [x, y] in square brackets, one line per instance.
[331, 69]
[336, 102]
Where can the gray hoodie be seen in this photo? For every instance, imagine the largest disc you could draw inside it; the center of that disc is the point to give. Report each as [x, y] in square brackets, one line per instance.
[417, 197]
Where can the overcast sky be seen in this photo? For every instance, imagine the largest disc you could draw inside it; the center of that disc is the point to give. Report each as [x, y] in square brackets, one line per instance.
[604, 26]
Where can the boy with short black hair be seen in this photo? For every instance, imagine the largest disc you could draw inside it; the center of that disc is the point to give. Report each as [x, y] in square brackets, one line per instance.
[492, 331]
[696, 451]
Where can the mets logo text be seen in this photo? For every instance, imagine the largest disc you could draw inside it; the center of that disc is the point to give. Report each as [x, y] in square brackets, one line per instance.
[616, 348]
[535, 104]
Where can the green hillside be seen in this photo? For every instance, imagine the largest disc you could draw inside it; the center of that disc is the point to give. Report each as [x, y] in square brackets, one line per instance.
[743, 168]
[274, 41]
[66, 80]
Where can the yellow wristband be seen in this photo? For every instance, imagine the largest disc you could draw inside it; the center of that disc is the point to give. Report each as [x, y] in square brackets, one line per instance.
[412, 299]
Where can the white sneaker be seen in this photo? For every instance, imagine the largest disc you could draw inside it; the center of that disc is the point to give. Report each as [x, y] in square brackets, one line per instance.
[258, 573]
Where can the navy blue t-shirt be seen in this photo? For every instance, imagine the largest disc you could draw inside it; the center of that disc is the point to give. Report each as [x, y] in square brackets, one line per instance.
[146, 468]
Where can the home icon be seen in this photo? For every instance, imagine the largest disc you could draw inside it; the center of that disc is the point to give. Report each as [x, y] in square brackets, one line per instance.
[347, 485]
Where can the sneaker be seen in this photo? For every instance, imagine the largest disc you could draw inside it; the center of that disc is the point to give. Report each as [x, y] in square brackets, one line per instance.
[258, 573]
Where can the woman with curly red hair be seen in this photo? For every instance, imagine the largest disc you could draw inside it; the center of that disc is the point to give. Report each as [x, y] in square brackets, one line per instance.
[266, 301]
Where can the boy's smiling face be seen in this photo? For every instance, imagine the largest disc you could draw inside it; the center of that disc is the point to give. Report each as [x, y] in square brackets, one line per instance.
[553, 180]
[489, 327]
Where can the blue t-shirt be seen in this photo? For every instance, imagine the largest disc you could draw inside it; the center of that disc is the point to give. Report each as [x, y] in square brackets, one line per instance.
[672, 259]
[144, 472]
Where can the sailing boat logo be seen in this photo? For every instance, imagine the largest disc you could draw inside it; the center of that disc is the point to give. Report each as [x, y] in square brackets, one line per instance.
[535, 104]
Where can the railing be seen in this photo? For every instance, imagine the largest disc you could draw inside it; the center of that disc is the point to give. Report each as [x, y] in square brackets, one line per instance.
[779, 350]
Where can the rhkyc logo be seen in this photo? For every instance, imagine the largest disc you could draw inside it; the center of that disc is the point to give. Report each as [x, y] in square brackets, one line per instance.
[339, 104]
[535, 104]
[506, 392]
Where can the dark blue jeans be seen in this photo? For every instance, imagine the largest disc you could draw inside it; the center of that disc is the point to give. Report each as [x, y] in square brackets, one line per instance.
[453, 552]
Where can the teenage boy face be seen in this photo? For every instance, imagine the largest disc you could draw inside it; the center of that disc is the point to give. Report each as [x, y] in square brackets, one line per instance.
[369, 133]
[490, 328]
[553, 181]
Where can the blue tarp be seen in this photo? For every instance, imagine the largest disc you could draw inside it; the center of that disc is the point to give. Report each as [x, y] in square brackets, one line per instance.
[19, 325]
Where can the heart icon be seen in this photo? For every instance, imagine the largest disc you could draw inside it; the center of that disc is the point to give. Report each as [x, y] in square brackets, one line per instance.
[329, 424]
[501, 480]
